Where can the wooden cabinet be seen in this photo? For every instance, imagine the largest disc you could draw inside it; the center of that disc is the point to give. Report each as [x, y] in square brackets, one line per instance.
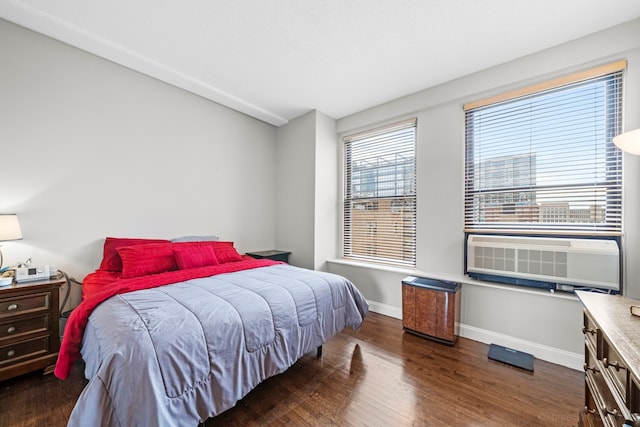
[611, 361]
[431, 308]
[29, 327]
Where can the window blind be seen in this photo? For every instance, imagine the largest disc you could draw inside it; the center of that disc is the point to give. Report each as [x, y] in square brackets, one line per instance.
[380, 195]
[544, 162]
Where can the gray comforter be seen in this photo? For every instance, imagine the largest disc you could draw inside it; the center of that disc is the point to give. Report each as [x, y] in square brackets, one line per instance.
[178, 354]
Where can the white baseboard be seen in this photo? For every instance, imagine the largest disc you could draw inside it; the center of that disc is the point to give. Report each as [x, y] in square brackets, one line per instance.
[387, 310]
[540, 351]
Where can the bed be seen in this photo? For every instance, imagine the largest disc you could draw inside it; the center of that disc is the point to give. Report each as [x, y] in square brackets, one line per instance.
[175, 333]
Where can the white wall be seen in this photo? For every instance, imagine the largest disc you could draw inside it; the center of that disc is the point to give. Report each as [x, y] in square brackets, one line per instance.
[531, 320]
[295, 182]
[92, 149]
[327, 189]
[307, 190]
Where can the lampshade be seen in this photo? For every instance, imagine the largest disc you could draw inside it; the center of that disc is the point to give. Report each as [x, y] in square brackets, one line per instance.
[628, 141]
[9, 227]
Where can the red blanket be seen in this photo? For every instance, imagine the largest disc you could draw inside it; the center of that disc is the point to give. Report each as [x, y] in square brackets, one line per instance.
[74, 329]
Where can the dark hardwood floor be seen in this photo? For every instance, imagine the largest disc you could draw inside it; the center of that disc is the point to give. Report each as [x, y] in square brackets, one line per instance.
[379, 376]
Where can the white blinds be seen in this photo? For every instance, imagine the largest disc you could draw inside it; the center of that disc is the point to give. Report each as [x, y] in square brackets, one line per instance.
[380, 195]
[545, 162]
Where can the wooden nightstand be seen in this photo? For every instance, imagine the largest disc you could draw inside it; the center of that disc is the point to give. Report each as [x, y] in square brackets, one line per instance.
[273, 254]
[29, 327]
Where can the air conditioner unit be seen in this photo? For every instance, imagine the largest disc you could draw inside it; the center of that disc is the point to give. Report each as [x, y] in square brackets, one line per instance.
[560, 261]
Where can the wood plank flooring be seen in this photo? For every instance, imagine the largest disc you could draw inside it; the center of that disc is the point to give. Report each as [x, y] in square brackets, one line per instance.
[378, 376]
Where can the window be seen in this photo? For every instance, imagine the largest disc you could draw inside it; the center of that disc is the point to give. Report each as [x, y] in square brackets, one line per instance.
[380, 195]
[542, 161]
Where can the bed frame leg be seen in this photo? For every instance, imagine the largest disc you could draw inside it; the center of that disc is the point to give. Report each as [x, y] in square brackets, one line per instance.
[319, 351]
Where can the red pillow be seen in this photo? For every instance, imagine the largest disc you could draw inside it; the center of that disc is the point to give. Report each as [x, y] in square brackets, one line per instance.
[141, 260]
[194, 256]
[225, 252]
[97, 280]
[111, 260]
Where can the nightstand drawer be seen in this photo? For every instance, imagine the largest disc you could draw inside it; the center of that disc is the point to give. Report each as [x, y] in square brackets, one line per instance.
[20, 327]
[24, 349]
[25, 304]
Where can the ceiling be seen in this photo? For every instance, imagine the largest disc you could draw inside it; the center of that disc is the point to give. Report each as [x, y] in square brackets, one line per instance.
[277, 59]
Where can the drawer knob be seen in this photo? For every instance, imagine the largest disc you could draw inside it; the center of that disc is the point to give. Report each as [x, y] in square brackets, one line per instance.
[615, 364]
[588, 331]
[590, 368]
[613, 412]
[11, 353]
[11, 329]
[12, 307]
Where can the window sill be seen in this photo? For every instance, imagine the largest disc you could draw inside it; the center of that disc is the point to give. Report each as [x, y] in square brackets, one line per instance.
[459, 278]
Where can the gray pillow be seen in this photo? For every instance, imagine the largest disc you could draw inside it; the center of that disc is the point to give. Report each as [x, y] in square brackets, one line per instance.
[195, 239]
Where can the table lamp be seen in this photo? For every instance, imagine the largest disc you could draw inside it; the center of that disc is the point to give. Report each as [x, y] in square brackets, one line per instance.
[9, 230]
[628, 141]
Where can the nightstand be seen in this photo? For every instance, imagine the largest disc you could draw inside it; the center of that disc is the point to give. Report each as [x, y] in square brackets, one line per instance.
[29, 327]
[273, 254]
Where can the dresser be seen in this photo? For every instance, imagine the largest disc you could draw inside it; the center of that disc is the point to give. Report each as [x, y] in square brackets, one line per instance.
[29, 327]
[612, 361]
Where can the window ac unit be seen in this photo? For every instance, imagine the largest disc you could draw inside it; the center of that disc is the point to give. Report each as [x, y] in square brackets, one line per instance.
[575, 262]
